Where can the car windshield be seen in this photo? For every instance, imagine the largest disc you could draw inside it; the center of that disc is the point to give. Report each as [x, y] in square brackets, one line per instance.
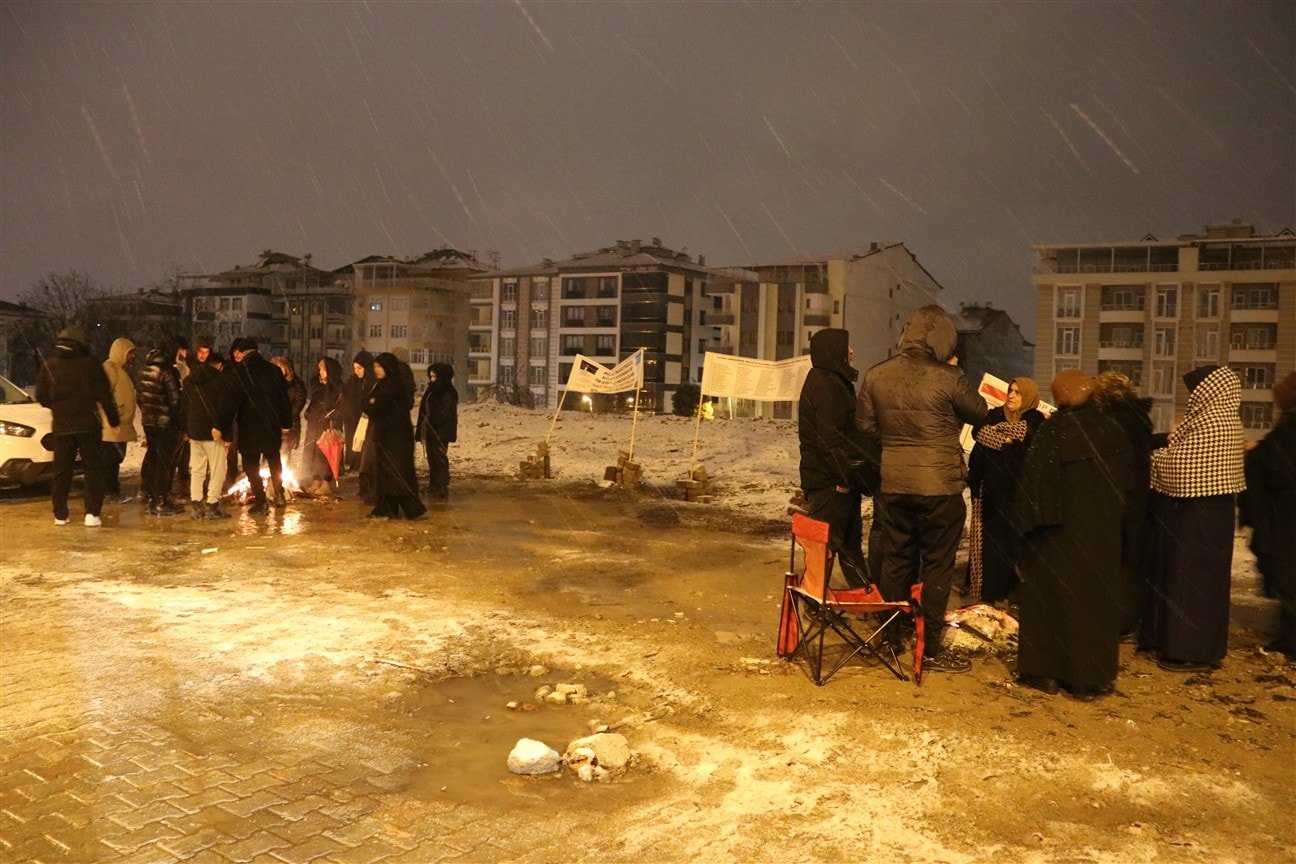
[12, 393]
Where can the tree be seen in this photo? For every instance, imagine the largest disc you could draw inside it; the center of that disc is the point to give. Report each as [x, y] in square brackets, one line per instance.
[63, 297]
[685, 400]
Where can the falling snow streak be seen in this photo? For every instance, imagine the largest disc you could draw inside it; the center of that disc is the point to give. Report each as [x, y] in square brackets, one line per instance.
[121, 235]
[139, 129]
[382, 185]
[732, 226]
[864, 192]
[534, 25]
[1103, 135]
[845, 53]
[786, 238]
[103, 152]
[1281, 77]
[1066, 138]
[912, 203]
[453, 187]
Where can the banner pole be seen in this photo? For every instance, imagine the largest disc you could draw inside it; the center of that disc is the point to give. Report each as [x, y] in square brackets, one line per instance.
[697, 430]
[634, 421]
[554, 421]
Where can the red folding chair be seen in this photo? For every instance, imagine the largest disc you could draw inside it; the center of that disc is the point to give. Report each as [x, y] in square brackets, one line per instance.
[858, 617]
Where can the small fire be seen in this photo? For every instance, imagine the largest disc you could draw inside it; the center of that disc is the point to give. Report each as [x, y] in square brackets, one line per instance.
[242, 490]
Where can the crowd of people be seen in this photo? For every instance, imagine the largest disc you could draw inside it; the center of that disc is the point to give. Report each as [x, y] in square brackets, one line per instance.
[1089, 527]
[210, 421]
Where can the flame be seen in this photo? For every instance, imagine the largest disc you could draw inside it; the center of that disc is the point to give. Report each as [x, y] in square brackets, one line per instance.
[242, 490]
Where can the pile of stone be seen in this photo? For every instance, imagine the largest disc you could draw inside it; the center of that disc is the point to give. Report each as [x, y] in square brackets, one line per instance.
[595, 758]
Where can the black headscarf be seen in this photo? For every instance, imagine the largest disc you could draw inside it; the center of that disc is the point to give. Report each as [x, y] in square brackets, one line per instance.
[401, 377]
[444, 378]
[830, 349]
[364, 359]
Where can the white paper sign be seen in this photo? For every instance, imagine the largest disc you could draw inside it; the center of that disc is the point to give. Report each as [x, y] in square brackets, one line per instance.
[591, 376]
[749, 378]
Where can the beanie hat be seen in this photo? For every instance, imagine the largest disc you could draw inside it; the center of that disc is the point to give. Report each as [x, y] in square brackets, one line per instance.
[1072, 387]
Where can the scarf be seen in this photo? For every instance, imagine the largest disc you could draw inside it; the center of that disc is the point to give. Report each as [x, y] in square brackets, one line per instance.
[1204, 453]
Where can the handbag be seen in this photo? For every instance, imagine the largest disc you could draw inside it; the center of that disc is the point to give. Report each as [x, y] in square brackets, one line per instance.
[362, 429]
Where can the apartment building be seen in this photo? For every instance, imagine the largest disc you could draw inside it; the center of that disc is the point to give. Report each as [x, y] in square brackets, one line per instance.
[770, 310]
[527, 324]
[149, 318]
[417, 309]
[239, 302]
[1154, 309]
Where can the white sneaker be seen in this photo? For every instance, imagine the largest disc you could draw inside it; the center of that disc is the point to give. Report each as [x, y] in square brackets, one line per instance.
[93, 521]
[62, 521]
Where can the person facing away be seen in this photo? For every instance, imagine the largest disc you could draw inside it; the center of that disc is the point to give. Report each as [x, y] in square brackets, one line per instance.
[120, 356]
[391, 440]
[158, 395]
[1269, 507]
[209, 417]
[261, 395]
[72, 384]
[323, 411]
[836, 456]
[438, 426]
[296, 401]
[1070, 509]
[994, 473]
[917, 402]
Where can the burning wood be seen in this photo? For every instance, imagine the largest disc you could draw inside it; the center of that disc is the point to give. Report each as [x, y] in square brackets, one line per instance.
[242, 489]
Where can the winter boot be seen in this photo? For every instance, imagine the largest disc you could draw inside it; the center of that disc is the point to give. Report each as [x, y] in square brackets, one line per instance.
[166, 508]
[215, 512]
[199, 511]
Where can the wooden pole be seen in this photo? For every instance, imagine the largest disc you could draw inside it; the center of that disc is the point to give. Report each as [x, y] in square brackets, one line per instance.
[697, 431]
[554, 422]
[634, 420]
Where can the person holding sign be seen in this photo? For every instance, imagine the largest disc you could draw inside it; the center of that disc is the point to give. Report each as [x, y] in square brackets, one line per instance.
[836, 457]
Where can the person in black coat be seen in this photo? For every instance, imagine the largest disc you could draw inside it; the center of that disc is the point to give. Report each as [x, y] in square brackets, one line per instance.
[323, 411]
[391, 440]
[355, 393]
[1269, 507]
[994, 475]
[157, 393]
[1114, 393]
[438, 426]
[296, 402]
[209, 418]
[835, 455]
[263, 413]
[1070, 508]
[73, 385]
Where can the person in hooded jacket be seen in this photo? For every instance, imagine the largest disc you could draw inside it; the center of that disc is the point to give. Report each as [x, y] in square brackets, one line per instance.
[296, 401]
[120, 356]
[438, 426]
[1070, 509]
[994, 474]
[158, 395]
[1114, 393]
[917, 402]
[264, 412]
[356, 393]
[72, 384]
[209, 416]
[391, 440]
[836, 456]
[1195, 481]
[1269, 507]
[323, 411]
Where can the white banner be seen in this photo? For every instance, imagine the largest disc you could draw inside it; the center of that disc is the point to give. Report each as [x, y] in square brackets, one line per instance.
[749, 378]
[995, 393]
[591, 376]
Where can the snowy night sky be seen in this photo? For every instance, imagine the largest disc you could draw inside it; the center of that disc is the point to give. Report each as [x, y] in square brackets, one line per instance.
[134, 137]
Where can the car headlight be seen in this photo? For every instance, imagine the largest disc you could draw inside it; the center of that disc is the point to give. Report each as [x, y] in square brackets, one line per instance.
[17, 430]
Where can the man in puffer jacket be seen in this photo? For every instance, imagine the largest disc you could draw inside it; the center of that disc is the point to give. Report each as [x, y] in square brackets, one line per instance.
[918, 401]
[72, 384]
[158, 396]
[835, 455]
[120, 356]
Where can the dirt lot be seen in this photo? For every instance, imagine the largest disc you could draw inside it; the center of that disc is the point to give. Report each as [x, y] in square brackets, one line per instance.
[370, 642]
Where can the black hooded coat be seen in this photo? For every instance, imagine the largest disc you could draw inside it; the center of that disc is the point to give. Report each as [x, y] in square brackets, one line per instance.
[834, 452]
[325, 400]
[391, 435]
[73, 385]
[438, 417]
[263, 407]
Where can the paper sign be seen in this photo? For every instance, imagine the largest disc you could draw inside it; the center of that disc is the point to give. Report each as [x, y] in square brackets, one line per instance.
[749, 378]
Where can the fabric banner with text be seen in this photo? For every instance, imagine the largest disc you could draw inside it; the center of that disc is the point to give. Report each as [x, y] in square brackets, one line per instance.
[591, 376]
[749, 378]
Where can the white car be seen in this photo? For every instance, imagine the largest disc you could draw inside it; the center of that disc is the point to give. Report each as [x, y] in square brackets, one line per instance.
[25, 427]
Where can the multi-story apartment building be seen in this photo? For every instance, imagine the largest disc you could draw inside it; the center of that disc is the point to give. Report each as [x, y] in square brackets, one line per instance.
[528, 324]
[149, 318]
[312, 313]
[1153, 309]
[770, 310]
[417, 309]
[245, 301]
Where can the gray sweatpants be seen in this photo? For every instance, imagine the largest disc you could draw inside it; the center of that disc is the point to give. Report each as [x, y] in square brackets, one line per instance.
[205, 456]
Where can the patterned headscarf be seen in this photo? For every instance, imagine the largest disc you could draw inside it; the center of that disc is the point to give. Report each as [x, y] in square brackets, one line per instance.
[1204, 455]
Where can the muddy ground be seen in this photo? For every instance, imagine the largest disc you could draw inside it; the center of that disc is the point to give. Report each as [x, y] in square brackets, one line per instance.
[320, 631]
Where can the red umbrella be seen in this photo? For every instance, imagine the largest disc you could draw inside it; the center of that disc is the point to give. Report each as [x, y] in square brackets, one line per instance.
[331, 444]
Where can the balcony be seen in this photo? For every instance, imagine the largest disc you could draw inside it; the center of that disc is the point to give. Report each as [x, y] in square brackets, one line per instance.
[817, 320]
[717, 319]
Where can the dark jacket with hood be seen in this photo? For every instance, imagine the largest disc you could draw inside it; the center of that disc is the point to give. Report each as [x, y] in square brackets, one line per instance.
[918, 404]
[208, 403]
[325, 399]
[261, 394]
[834, 451]
[438, 417]
[356, 391]
[390, 432]
[72, 384]
[158, 391]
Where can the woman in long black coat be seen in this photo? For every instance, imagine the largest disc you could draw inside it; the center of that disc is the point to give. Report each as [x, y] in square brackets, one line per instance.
[1070, 511]
[391, 435]
[994, 475]
[323, 411]
[438, 426]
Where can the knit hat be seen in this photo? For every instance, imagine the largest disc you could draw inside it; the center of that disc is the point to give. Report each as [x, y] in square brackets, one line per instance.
[1072, 387]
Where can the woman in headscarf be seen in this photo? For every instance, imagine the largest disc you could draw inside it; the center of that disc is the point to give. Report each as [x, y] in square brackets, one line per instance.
[324, 411]
[994, 475]
[355, 393]
[291, 437]
[1195, 481]
[1269, 507]
[1069, 509]
[391, 436]
[438, 425]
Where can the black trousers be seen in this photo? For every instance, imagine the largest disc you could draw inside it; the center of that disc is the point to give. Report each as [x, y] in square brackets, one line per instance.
[113, 454]
[841, 510]
[438, 458]
[159, 465]
[66, 446]
[251, 459]
[920, 537]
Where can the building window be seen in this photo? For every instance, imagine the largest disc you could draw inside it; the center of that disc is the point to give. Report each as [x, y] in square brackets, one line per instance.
[508, 319]
[1120, 336]
[376, 304]
[572, 345]
[400, 331]
[1122, 298]
[540, 346]
[1258, 296]
[481, 291]
[539, 319]
[479, 343]
[540, 288]
[224, 304]
[506, 375]
[1163, 344]
[1068, 341]
[375, 331]
[508, 292]
[607, 286]
[236, 304]
[1068, 303]
[539, 375]
[1163, 379]
[236, 328]
[605, 345]
[418, 357]
[1256, 376]
[1257, 415]
[508, 346]
[573, 316]
[1208, 302]
[399, 304]
[607, 316]
[1253, 337]
[1167, 302]
[1208, 343]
